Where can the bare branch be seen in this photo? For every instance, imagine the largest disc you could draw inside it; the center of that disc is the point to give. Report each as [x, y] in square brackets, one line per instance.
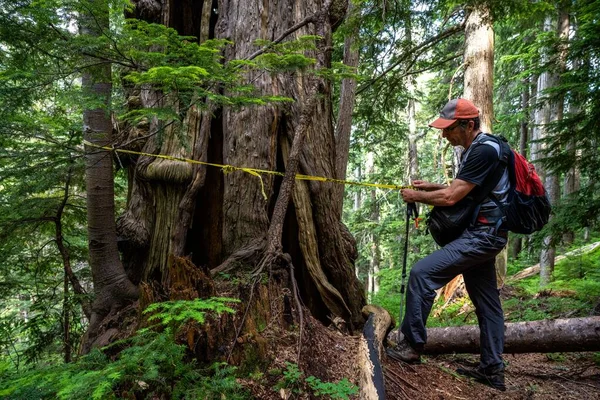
[419, 49]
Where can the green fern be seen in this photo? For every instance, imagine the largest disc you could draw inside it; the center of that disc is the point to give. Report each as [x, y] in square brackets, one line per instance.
[152, 365]
[341, 390]
[177, 312]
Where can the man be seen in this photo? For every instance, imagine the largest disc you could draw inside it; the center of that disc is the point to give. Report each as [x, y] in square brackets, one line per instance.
[472, 254]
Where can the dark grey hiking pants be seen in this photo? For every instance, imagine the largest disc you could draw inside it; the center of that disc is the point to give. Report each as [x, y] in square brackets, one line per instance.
[471, 255]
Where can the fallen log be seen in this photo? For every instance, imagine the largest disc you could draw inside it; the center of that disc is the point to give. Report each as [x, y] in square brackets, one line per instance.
[535, 269]
[545, 336]
[372, 382]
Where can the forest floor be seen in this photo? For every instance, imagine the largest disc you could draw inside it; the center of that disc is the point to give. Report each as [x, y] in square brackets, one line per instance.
[331, 356]
[528, 376]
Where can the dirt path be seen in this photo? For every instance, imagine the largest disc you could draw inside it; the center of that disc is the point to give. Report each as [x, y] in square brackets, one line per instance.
[528, 376]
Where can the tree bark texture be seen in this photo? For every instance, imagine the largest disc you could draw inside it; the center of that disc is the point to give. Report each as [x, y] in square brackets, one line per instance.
[112, 288]
[479, 59]
[344, 120]
[251, 138]
[545, 336]
[479, 84]
[571, 180]
[221, 221]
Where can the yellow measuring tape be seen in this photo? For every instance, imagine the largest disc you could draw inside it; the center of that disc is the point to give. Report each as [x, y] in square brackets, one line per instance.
[252, 171]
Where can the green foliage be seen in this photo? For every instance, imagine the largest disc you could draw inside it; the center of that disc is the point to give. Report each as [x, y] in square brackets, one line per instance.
[177, 312]
[556, 357]
[575, 292]
[221, 384]
[453, 314]
[578, 276]
[294, 380]
[152, 364]
[341, 390]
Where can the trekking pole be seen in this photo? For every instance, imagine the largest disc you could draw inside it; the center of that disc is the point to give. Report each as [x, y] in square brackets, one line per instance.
[411, 210]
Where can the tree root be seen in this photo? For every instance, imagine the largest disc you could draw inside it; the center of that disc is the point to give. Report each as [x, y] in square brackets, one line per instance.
[247, 254]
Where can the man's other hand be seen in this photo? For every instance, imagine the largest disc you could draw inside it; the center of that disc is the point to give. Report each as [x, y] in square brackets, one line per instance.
[426, 186]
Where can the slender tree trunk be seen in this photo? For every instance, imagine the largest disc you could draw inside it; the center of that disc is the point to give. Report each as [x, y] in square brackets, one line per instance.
[64, 251]
[479, 59]
[571, 178]
[411, 113]
[542, 118]
[556, 105]
[375, 259]
[413, 160]
[112, 288]
[66, 321]
[517, 242]
[360, 270]
[525, 110]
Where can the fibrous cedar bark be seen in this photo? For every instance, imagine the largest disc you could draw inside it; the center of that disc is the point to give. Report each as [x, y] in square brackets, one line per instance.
[252, 137]
[222, 221]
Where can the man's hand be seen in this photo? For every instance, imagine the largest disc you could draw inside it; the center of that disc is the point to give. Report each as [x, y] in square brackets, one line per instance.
[409, 195]
[437, 195]
[427, 186]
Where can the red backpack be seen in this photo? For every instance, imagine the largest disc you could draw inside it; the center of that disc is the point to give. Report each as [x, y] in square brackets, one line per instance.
[528, 208]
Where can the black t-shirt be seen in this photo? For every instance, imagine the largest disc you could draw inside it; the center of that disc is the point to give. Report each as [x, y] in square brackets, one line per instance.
[479, 165]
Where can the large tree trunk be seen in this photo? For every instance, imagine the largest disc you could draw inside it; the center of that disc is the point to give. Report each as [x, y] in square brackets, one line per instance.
[112, 288]
[222, 221]
[245, 212]
[546, 336]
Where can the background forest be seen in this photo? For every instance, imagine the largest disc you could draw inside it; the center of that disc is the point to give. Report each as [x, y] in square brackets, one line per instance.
[98, 244]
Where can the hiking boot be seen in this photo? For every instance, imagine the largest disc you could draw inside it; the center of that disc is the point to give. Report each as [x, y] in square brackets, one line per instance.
[403, 351]
[493, 377]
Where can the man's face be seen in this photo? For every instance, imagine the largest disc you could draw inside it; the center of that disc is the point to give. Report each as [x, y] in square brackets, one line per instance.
[454, 134]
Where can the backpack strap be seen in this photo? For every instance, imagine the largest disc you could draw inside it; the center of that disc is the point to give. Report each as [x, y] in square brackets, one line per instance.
[492, 181]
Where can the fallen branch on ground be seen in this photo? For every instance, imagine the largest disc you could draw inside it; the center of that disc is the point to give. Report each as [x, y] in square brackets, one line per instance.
[535, 269]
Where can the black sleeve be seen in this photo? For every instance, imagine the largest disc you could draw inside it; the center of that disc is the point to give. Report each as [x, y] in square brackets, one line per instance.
[479, 164]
